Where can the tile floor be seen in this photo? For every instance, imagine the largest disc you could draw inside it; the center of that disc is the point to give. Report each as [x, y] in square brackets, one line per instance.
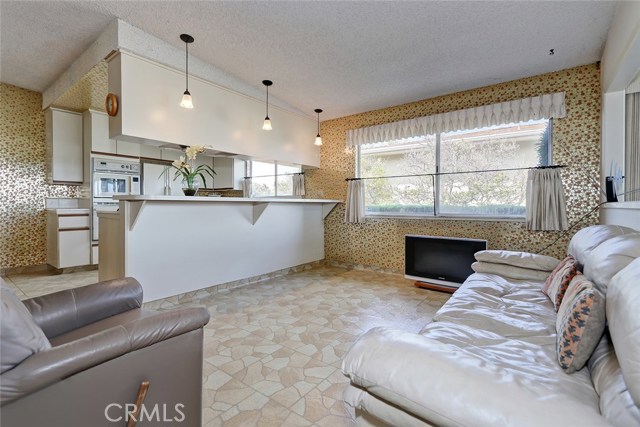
[272, 349]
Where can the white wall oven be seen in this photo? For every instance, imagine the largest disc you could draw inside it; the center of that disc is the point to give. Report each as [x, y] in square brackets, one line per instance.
[111, 178]
[114, 178]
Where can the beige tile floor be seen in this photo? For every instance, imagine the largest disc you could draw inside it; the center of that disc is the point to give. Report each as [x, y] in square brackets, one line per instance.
[272, 349]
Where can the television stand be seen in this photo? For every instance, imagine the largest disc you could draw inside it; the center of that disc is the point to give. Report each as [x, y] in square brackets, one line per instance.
[434, 287]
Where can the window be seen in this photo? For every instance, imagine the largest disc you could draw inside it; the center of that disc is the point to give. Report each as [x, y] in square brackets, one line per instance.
[406, 188]
[271, 179]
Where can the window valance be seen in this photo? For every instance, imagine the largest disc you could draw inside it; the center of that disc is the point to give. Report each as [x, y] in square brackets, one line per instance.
[546, 106]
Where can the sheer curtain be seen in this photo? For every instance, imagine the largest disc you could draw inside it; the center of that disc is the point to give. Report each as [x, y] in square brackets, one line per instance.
[246, 187]
[632, 148]
[298, 184]
[546, 106]
[546, 206]
[354, 211]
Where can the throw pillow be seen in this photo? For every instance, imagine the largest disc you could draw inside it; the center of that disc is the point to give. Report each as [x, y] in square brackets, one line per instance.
[518, 259]
[19, 334]
[509, 271]
[580, 323]
[558, 281]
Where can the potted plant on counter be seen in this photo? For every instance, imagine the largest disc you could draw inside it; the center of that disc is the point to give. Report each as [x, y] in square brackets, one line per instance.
[185, 168]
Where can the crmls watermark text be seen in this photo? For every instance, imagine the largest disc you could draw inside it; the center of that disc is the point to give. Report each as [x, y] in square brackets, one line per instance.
[115, 412]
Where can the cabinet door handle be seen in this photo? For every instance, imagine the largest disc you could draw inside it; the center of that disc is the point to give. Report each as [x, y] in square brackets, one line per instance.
[74, 229]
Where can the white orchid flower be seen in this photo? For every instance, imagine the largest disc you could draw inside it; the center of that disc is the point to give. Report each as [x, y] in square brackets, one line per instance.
[193, 151]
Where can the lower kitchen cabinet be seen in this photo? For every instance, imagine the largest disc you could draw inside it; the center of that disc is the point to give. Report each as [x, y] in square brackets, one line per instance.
[68, 237]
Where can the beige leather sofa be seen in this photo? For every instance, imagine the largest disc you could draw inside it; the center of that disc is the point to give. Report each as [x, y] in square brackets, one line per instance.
[89, 349]
[489, 356]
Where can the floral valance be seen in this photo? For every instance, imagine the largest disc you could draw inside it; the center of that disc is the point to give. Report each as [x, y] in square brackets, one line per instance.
[548, 106]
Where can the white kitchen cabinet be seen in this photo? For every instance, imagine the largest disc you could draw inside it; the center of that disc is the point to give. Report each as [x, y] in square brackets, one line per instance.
[94, 253]
[96, 137]
[64, 149]
[68, 237]
[125, 148]
[229, 173]
[96, 133]
[150, 152]
[170, 154]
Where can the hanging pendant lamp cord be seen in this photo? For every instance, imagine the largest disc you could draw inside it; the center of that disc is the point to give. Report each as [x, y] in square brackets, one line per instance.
[267, 101]
[187, 66]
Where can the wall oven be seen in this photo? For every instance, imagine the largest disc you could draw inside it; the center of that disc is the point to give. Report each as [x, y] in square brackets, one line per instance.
[113, 178]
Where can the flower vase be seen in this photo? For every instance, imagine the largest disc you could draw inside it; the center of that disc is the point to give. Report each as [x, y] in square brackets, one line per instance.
[190, 188]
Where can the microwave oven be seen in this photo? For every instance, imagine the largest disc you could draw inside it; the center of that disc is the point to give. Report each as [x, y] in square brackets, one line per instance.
[113, 178]
[109, 184]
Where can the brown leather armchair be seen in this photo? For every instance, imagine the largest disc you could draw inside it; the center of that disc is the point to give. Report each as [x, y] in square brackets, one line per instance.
[103, 346]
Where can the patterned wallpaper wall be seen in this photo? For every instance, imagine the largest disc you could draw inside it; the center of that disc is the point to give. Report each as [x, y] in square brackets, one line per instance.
[380, 242]
[23, 186]
[88, 92]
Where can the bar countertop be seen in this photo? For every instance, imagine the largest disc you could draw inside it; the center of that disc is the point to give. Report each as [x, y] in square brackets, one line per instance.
[150, 198]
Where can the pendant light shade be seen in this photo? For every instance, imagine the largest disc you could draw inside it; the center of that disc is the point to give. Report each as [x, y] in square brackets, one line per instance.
[318, 141]
[267, 121]
[186, 102]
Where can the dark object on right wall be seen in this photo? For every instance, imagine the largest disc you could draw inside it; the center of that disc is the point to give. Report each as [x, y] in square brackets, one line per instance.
[610, 189]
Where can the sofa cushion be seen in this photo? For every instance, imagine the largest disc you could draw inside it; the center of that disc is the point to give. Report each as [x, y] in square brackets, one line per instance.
[580, 323]
[20, 337]
[610, 257]
[519, 259]
[509, 271]
[559, 279]
[455, 375]
[616, 403]
[623, 313]
[508, 307]
[588, 238]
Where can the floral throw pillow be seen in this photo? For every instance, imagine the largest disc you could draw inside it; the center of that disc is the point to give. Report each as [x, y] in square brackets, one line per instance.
[557, 283]
[580, 323]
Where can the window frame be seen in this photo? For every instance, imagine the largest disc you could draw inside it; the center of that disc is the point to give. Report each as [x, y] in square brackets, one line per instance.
[437, 215]
[275, 164]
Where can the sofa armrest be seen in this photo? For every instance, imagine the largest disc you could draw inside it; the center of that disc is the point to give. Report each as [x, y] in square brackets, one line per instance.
[64, 311]
[48, 367]
[447, 386]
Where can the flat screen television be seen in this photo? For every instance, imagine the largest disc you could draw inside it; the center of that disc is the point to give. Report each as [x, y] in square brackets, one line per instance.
[443, 261]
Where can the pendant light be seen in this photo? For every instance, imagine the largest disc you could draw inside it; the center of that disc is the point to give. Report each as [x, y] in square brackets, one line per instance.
[187, 102]
[318, 139]
[267, 121]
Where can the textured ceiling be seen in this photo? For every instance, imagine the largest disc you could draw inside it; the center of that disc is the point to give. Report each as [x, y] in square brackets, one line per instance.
[343, 56]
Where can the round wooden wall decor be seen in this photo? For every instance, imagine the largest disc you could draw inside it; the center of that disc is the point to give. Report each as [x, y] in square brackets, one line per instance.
[111, 104]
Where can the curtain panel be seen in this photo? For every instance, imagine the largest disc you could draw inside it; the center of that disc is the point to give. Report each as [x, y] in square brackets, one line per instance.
[546, 206]
[246, 187]
[632, 147]
[548, 106]
[354, 210]
[298, 184]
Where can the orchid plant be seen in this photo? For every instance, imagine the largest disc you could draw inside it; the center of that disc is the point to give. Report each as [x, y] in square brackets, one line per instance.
[184, 167]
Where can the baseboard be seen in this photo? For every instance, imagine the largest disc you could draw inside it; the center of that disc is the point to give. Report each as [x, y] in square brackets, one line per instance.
[42, 268]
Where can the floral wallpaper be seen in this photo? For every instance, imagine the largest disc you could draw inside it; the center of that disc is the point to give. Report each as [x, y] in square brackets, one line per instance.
[88, 92]
[23, 185]
[379, 243]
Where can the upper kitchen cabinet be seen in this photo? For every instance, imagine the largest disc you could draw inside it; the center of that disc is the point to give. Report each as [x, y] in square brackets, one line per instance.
[229, 173]
[64, 146]
[149, 94]
[96, 137]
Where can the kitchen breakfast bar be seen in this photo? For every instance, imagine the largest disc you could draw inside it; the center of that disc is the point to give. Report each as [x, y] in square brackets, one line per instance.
[173, 245]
